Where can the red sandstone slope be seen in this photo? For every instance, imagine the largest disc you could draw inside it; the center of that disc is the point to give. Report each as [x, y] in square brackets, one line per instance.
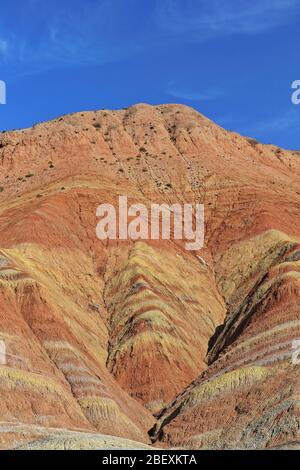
[100, 335]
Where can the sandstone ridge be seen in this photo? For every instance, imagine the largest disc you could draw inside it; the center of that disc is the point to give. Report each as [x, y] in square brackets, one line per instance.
[144, 340]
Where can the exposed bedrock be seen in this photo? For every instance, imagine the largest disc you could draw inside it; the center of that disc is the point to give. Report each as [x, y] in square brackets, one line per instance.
[116, 338]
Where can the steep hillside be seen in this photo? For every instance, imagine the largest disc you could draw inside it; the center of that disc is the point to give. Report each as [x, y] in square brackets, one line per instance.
[119, 337]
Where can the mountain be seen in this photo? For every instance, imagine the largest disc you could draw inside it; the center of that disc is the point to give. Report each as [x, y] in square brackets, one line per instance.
[145, 340]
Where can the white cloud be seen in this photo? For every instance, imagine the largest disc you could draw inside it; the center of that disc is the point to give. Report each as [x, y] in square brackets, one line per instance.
[64, 36]
[203, 19]
[3, 48]
[209, 94]
[285, 121]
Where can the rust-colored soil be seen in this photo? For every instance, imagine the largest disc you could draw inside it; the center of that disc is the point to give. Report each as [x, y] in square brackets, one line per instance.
[122, 338]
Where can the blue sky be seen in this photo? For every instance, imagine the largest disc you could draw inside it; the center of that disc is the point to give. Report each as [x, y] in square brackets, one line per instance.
[233, 60]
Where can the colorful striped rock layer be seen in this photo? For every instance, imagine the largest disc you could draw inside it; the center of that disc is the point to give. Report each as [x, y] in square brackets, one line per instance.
[144, 340]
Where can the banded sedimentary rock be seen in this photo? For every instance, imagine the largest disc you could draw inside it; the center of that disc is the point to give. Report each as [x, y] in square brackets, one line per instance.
[249, 395]
[99, 336]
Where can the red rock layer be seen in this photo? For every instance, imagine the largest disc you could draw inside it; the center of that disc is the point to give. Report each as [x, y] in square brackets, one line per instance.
[100, 335]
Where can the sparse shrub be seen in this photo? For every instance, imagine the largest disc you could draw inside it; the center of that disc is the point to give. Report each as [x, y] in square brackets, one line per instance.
[253, 142]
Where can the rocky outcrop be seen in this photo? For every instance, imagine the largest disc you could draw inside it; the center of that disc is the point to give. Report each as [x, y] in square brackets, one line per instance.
[249, 395]
[119, 337]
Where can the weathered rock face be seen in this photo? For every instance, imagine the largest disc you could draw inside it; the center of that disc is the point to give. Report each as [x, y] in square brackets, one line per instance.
[249, 395]
[101, 335]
